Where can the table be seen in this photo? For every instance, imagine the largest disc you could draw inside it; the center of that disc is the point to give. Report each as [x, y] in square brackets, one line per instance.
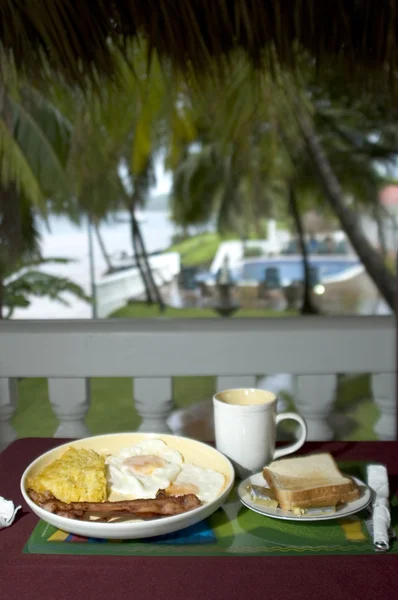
[151, 578]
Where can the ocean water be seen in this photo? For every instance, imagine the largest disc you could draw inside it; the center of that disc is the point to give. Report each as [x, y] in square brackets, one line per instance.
[61, 238]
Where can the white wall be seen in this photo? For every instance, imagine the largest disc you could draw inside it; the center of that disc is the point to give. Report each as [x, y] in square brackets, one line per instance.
[276, 240]
[114, 290]
[370, 229]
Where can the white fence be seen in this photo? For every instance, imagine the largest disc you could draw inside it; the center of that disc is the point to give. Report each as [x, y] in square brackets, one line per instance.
[114, 290]
[237, 351]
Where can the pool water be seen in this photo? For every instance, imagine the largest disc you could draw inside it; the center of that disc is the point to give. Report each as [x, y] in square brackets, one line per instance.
[292, 269]
[288, 269]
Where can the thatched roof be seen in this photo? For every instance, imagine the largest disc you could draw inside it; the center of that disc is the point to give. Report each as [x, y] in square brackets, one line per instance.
[75, 34]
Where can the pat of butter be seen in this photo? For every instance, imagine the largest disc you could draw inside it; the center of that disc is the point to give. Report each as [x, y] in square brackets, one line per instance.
[262, 496]
[313, 512]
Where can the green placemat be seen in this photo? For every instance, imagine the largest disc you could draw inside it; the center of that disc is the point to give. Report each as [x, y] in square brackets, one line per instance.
[231, 530]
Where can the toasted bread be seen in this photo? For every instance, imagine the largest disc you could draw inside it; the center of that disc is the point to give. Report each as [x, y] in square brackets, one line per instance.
[309, 481]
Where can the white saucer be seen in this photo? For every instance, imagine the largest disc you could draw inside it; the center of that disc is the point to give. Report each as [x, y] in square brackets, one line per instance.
[343, 510]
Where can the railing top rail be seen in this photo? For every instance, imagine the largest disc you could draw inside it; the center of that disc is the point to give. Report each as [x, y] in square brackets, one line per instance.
[173, 347]
[291, 323]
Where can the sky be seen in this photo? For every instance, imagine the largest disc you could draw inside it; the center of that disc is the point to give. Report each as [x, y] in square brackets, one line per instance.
[163, 179]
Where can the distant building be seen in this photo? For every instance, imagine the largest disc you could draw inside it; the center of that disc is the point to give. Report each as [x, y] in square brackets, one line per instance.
[388, 197]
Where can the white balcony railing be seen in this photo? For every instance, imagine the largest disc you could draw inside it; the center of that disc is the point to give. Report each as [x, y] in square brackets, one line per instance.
[314, 349]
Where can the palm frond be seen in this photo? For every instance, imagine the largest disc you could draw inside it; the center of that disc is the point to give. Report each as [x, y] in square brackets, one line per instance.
[151, 96]
[196, 184]
[19, 291]
[38, 151]
[19, 235]
[15, 168]
[52, 120]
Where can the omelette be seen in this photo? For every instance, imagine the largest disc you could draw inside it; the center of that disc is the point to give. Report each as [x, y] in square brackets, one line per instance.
[77, 476]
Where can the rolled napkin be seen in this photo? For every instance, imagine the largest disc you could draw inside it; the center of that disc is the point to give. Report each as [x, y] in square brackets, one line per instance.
[7, 512]
[378, 482]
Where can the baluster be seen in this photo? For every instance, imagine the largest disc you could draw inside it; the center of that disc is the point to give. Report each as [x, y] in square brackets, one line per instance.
[8, 405]
[278, 383]
[314, 400]
[383, 387]
[236, 381]
[154, 402]
[70, 401]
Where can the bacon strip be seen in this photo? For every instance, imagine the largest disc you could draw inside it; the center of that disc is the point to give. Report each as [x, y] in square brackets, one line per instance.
[162, 505]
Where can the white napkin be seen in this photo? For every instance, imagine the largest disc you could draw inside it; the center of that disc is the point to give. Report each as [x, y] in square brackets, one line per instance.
[378, 481]
[7, 512]
[381, 523]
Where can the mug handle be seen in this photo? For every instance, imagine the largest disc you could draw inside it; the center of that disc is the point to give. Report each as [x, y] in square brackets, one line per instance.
[296, 445]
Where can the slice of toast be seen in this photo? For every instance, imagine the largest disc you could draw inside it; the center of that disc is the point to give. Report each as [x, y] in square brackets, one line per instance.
[309, 481]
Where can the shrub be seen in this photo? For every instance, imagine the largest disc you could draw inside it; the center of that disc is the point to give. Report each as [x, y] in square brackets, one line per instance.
[253, 251]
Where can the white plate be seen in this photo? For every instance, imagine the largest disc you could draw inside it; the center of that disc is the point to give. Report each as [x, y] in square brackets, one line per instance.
[278, 513]
[193, 452]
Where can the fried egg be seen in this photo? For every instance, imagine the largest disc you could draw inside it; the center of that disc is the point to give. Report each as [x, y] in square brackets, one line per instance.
[143, 469]
[206, 484]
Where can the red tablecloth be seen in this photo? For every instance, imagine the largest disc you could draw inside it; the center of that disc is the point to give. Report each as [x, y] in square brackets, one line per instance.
[151, 578]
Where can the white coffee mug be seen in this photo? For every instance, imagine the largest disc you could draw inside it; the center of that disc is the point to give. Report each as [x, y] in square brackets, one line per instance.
[245, 423]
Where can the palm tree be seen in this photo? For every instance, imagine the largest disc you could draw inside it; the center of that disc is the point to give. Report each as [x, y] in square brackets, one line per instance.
[295, 210]
[335, 196]
[340, 156]
[122, 126]
[307, 307]
[34, 139]
[230, 177]
[134, 196]
[101, 244]
[341, 144]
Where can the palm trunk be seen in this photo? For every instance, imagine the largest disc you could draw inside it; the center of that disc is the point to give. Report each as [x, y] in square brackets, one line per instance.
[370, 258]
[136, 250]
[307, 307]
[148, 270]
[1, 298]
[12, 241]
[378, 216]
[103, 249]
[141, 183]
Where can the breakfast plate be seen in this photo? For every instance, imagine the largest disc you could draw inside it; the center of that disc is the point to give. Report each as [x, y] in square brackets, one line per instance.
[193, 453]
[278, 513]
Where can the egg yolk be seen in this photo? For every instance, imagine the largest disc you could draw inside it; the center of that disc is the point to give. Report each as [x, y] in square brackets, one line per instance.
[181, 489]
[145, 464]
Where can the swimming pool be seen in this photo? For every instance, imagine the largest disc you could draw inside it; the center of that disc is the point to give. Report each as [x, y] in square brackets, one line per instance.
[289, 268]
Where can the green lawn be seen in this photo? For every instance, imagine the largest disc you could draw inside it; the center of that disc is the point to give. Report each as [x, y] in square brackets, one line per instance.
[140, 310]
[112, 406]
[201, 249]
[197, 250]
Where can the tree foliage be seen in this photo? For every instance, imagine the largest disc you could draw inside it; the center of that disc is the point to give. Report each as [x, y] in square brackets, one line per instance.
[29, 282]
